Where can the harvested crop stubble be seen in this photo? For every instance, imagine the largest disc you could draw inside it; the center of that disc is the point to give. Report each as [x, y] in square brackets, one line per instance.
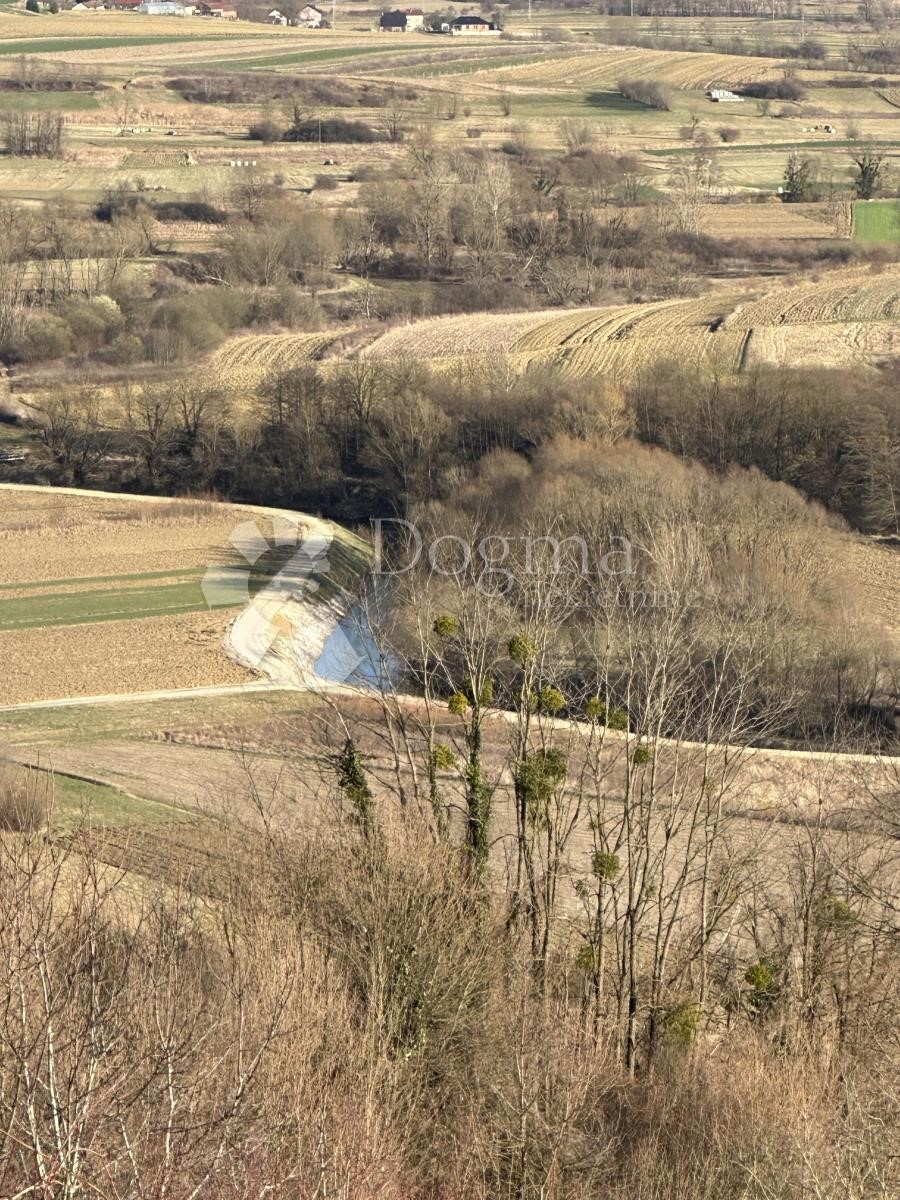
[156, 158]
[854, 296]
[851, 343]
[604, 68]
[117, 657]
[621, 322]
[875, 567]
[698, 349]
[448, 337]
[766, 221]
[246, 361]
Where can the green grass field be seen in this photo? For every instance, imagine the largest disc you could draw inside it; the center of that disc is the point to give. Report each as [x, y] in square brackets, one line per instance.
[114, 604]
[876, 221]
[469, 65]
[52, 45]
[301, 58]
[48, 101]
[78, 803]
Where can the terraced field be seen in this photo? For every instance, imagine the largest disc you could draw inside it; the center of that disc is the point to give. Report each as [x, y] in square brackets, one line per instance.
[851, 322]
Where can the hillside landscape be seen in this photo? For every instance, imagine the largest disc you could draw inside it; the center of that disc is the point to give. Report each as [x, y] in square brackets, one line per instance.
[449, 601]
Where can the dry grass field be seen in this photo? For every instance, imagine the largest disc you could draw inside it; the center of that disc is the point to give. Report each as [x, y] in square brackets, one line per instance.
[792, 221]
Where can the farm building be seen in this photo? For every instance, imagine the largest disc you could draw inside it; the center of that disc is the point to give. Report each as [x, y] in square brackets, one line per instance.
[163, 8]
[723, 96]
[225, 12]
[467, 26]
[310, 16]
[276, 18]
[402, 20]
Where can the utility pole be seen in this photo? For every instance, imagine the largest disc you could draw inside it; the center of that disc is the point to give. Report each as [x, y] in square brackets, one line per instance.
[333, 12]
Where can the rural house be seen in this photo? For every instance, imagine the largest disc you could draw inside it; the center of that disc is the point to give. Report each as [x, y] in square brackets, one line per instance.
[276, 18]
[402, 20]
[310, 16]
[465, 26]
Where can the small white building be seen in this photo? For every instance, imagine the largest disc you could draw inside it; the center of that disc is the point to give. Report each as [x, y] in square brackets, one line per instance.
[162, 8]
[723, 96]
[310, 16]
[276, 18]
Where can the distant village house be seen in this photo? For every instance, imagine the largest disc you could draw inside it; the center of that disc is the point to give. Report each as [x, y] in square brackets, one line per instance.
[466, 26]
[310, 16]
[402, 20]
[224, 12]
